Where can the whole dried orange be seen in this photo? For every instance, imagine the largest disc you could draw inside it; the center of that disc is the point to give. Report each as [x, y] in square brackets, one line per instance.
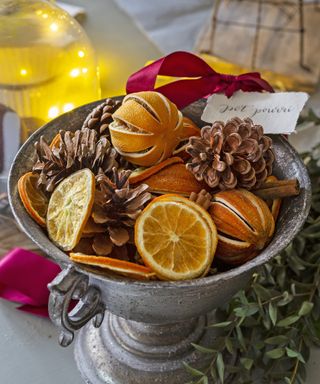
[33, 199]
[122, 267]
[147, 128]
[245, 225]
[176, 238]
[69, 208]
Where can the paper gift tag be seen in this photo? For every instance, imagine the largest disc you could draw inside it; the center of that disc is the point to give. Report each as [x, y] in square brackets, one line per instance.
[276, 112]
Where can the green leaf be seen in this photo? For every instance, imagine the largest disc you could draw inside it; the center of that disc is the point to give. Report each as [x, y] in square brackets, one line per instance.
[229, 345]
[273, 313]
[277, 340]
[246, 310]
[203, 380]
[294, 354]
[287, 380]
[261, 291]
[287, 321]
[276, 353]
[220, 367]
[241, 338]
[306, 308]
[194, 372]
[223, 324]
[202, 349]
[286, 299]
[246, 362]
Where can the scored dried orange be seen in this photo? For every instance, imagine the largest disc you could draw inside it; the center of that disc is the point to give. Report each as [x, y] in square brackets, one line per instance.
[69, 208]
[122, 267]
[176, 238]
[33, 199]
[147, 128]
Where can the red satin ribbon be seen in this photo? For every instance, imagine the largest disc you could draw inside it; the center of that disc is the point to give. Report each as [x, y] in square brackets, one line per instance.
[203, 81]
[24, 277]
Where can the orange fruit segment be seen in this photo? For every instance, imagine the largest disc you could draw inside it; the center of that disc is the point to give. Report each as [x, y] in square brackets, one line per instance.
[69, 208]
[122, 267]
[33, 199]
[176, 238]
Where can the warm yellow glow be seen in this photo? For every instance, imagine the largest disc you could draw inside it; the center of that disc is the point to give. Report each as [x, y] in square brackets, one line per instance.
[68, 107]
[39, 12]
[84, 70]
[54, 27]
[53, 112]
[23, 72]
[80, 53]
[75, 72]
[45, 16]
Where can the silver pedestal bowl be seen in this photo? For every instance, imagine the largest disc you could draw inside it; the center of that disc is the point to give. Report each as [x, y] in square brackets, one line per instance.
[141, 332]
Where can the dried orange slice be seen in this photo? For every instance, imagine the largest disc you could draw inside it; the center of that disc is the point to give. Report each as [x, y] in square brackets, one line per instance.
[122, 267]
[33, 199]
[69, 208]
[176, 238]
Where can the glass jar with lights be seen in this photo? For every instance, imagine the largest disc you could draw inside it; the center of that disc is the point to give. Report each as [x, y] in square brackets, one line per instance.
[47, 65]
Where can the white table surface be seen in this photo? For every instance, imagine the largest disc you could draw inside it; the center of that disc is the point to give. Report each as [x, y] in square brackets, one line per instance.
[29, 350]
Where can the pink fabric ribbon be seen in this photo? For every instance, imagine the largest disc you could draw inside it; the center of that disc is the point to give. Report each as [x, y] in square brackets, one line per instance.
[203, 80]
[24, 277]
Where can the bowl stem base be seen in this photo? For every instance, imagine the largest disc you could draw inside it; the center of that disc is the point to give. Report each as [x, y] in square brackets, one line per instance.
[128, 352]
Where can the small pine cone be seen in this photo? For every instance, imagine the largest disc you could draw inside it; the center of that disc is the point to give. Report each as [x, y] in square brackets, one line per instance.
[116, 207]
[101, 116]
[235, 154]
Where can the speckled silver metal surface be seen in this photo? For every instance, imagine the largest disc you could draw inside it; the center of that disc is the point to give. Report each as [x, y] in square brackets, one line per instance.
[149, 325]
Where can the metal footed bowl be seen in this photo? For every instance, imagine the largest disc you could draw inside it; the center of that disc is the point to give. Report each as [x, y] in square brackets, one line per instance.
[148, 327]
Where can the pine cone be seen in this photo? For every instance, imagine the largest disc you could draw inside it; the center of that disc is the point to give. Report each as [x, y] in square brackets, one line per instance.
[101, 116]
[78, 150]
[117, 205]
[235, 154]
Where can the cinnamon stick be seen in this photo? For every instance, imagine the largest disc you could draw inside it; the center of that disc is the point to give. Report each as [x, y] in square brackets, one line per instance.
[278, 189]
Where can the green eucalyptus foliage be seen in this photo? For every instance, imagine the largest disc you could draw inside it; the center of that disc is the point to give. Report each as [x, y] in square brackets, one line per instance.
[270, 326]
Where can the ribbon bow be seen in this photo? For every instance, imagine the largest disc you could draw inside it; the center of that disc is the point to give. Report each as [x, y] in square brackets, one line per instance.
[202, 79]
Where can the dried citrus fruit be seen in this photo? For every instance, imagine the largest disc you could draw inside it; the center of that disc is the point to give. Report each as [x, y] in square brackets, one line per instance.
[55, 143]
[141, 174]
[122, 267]
[69, 208]
[245, 225]
[147, 128]
[176, 238]
[33, 199]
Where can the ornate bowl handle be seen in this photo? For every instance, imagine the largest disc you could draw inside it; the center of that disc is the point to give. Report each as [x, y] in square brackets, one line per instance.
[67, 286]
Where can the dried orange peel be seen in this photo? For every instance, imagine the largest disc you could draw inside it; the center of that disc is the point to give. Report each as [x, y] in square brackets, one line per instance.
[55, 141]
[69, 208]
[176, 238]
[33, 199]
[176, 179]
[141, 174]
[147, 128]
[122, 267]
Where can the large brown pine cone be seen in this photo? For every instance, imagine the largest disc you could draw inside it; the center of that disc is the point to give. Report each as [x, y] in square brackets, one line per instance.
[234, 154]
[101, 116]
[77, 150]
